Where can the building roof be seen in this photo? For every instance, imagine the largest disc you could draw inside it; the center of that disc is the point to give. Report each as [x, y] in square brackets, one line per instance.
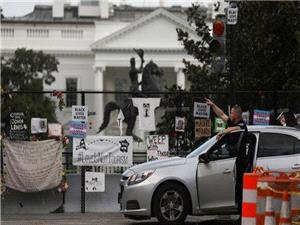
[123, 13]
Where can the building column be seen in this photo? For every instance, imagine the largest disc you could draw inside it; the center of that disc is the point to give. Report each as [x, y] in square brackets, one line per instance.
[180, 78]
[99, 98]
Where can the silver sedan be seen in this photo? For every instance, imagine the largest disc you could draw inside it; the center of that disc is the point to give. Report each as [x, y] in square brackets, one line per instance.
[203, 183]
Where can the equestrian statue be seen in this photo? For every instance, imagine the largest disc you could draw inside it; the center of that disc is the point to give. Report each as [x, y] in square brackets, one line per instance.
[151, 75]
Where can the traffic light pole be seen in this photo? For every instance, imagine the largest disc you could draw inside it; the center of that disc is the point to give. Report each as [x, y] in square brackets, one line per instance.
[230, 32]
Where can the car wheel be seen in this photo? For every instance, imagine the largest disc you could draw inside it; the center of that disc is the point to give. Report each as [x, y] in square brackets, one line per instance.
[171, 204]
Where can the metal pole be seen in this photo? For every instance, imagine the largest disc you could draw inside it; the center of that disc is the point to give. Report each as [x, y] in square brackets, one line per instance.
[83, 169]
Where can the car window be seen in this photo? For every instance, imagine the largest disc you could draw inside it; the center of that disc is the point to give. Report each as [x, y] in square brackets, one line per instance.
[225, 148]
[202, 147]
[271, 144]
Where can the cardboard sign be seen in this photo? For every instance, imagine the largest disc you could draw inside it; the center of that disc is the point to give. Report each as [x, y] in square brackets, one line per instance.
[202, 128]
[77, 129]
[94, 182]
[103, 150]
[157, 147]
[201, 110]
[261, 117]
[219, 125]
[38, 125]
[17, 126]
[79, 113]
[179, 124]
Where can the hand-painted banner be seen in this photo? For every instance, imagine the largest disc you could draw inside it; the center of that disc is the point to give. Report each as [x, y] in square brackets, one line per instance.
[261, 117]
[103, 150]
[157, 147]
[32, 166]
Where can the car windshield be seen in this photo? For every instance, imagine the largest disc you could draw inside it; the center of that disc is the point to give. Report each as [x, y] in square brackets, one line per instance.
[202, 147]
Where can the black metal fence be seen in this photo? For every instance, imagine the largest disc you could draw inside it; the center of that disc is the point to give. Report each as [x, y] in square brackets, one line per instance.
[176, 103]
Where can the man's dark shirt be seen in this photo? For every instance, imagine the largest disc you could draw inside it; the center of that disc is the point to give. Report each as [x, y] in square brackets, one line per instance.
[240, 124]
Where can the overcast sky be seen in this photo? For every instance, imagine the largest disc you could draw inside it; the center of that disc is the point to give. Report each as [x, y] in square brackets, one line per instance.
[22, 7]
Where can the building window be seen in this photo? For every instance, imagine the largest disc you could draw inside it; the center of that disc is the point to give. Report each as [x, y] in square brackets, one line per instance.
[71, 34]
[37, 33]
[7, 32]
[71, 85]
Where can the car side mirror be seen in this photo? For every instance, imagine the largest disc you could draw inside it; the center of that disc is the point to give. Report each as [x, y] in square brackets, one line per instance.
[203, 158]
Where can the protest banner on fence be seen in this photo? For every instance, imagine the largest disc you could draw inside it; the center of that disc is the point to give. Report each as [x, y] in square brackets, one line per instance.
[201, 110]
[103, 150]
[157, 147]
[261, 117]
[219, 125]
[54, 130]
[94, 182]
[79, 113]
[179, 124]
[202, 128]
[77, 129]
[38, 125]
[17, 126]
[32, 166]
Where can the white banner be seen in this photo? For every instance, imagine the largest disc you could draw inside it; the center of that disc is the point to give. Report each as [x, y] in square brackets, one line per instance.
[79, 113]
[32, 166]
[157, 147]
[94, 182]
[103, 150]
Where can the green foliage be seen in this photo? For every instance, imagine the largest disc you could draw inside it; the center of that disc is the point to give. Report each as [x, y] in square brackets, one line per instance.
[26, 71]
[264, 48]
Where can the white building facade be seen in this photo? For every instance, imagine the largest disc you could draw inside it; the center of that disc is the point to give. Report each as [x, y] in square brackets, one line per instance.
[94, 42]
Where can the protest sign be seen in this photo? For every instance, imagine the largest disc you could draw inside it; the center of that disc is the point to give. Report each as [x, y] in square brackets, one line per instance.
[94, 182]
[77, 129]
[54, 130]
[38, 125]
[79, 113]
[103, 150]
[261, 117]
[219, 125]
[201, 110]
[17, 126]
[202, 128]
[179, 124]
[157, 147]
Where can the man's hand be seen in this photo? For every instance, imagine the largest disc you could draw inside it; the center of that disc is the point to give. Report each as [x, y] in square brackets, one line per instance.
[209, 102]
[221, 134]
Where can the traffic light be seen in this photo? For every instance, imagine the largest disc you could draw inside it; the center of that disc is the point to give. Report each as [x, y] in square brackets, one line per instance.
[217, 45]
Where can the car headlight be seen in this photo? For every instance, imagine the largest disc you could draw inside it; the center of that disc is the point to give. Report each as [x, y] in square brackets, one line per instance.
[139, 177]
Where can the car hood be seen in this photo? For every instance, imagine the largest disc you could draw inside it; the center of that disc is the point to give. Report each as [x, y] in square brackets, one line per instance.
[155, 165]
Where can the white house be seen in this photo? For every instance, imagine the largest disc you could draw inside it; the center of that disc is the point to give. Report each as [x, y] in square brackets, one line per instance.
[94, 42]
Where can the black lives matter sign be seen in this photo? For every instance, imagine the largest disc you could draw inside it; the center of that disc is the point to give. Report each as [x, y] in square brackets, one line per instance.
[17, 126]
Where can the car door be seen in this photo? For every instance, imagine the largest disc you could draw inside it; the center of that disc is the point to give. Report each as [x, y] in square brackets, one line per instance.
[279, 152]
[215, 179]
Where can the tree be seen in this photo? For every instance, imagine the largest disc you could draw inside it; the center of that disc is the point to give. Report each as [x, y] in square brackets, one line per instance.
[26, 70]
[264, 48]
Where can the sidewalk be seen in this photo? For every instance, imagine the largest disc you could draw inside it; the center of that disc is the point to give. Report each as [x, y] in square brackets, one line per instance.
[92, 219]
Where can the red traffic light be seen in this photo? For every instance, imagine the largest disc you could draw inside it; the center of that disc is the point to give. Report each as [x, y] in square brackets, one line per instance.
[218, 27]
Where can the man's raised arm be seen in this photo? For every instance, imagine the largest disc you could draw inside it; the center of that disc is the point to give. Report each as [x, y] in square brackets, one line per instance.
[217, 110]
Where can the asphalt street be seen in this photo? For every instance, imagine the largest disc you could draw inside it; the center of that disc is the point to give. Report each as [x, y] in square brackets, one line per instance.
[95, 218]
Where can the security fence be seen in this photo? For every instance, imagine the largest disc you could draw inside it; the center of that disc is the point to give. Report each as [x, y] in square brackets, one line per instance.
[172, 107]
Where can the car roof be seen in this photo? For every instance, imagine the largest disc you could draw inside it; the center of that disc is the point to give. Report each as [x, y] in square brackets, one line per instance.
[277, 129]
